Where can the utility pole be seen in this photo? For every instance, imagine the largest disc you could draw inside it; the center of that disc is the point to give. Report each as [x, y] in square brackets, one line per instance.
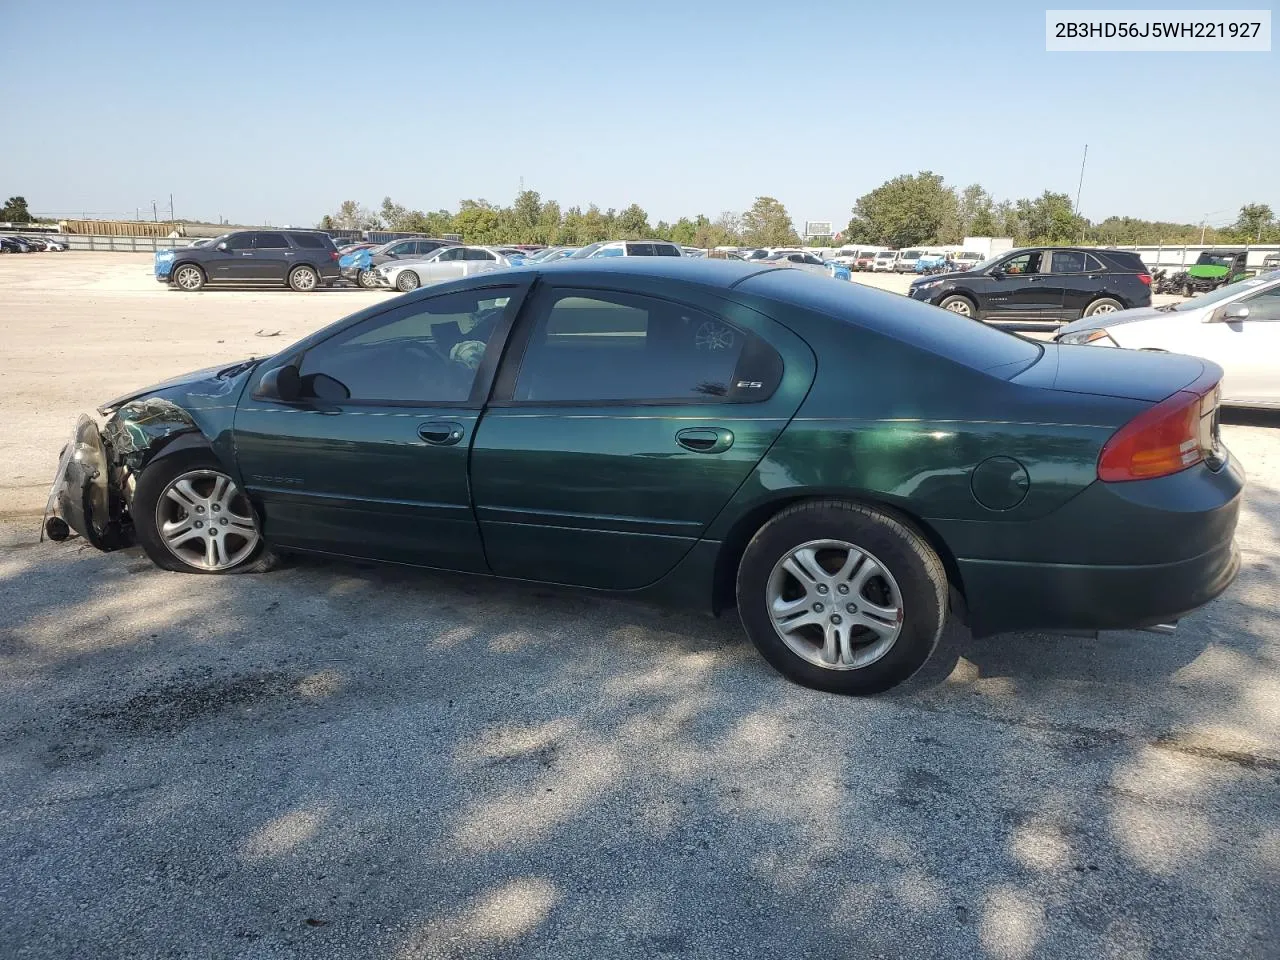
[1079, 188]
[171, 208]
[1203, 227]
[154, 213]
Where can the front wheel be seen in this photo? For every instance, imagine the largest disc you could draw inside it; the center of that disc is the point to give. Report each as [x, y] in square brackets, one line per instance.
[408, 280]
[190, 516]
[842, 597]
[303, 278]
[366, 280]
[188, 277]
[958, 304]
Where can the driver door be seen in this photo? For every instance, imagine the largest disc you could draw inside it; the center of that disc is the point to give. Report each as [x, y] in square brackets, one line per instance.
[371, 462]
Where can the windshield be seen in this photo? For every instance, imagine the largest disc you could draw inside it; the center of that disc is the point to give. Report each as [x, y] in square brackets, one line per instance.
[968, 256]
[1215, 259]
[586, 251]
[887, 255]
[1230, 291]
[910, 254]
[990, 262]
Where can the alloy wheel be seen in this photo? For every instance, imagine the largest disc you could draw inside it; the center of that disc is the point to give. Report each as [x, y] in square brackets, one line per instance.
[206, 522]
[961, 307]
[406, 281]
[1101, 309]
[834, 604]
[304, 278]
[188, 278]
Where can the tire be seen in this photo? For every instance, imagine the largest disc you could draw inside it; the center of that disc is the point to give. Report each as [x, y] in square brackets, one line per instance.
[189, 277]
[365, 280]
[960, 304]
[1103, 305]
[407, 280]
[1186, 290]
[895, 572]
[303, 278]
[234, 552]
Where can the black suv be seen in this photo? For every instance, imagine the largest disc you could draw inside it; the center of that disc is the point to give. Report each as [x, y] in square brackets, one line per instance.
[300, 259]
[1045, 284]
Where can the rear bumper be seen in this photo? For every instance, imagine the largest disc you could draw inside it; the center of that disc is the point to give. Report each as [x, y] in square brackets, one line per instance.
[1116, 556]
[1094, 597]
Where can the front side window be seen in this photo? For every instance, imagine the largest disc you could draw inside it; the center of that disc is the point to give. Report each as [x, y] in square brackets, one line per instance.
[426, 352]
[598, 347]
[1022, 264]
[271, 241]
[1263, 306]
[240, 241]
[403, 249]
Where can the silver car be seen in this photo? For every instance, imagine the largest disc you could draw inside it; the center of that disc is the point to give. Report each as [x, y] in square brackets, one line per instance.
[446, 263]
[1236, 326]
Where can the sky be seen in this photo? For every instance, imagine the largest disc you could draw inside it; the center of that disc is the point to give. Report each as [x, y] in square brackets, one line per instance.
[276, 111]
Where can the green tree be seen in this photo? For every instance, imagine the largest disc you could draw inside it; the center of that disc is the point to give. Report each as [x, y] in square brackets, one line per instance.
[571, 229]
[662, 230]
[526, 216]
[549, 218]
[973, 213]
[478, 221]
[1255, 221]
[15, 211]
[633, 223]
[593, 226]
[326, 223]
[683, 231]
[351, 216]
[767, 224]
[1048, 219]
[907, 210]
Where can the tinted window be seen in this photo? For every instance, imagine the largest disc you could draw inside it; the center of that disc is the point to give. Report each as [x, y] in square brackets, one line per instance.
[310, 241]
[403, 249]
[640, 249]
[271, 241]
[479, 255]
[453, 253]
[1093, 263]
[1067, 261]
[975, 345]
[1125, 260]
[665, 250]
[240, 241]
[426, 352]
[592, 346]
[1263, 306]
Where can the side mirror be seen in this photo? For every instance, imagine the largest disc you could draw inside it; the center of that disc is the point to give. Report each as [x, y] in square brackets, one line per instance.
[282, 383]
[996, 272]
[221, 246]
[1236, 311]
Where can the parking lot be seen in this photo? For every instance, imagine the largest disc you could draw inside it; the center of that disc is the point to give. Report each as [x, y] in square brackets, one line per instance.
[344, 760]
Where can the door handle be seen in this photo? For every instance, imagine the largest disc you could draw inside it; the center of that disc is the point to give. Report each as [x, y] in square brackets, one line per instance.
[441, 433]
[705, 439]
[1035, 279]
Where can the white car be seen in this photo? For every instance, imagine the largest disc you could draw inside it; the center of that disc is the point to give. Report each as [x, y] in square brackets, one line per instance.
[884, 261]
[444, 263]
[966, 259]
[1236, 326]
[627, 248]
[906, 262]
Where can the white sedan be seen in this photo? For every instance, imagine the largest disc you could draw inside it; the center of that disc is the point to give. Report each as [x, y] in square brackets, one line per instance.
[1236, 326]
[446, 263]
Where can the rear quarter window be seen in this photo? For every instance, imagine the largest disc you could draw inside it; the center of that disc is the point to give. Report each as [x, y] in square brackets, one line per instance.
[1122, 260]
[310, 241]
[938, 331]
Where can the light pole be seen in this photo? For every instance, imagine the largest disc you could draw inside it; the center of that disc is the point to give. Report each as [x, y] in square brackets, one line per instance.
[155, 215]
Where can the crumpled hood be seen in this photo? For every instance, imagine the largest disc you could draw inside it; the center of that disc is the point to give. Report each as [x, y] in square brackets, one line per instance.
[1110, 320]
[218, 379]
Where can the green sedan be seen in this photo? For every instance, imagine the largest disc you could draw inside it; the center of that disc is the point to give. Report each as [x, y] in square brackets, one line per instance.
[843, 466]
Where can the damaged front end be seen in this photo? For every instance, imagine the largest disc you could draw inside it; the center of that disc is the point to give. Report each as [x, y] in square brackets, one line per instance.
[97, 472]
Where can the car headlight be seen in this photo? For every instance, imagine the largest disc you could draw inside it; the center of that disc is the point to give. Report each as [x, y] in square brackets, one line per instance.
[927, 285]
[1097, 335]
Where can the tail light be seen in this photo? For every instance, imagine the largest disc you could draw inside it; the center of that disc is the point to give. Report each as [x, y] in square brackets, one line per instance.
[1145, 278]
[1178, 432]
[333, 255]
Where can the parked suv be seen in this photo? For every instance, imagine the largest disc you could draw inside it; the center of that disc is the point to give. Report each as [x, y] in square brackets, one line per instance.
[1045, 284]
[300, 259]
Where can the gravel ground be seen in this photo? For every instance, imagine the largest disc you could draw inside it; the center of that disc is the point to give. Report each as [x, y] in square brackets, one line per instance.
[340, 760]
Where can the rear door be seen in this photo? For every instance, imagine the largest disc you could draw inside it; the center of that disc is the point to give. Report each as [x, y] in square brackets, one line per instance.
[271, 256]
[1067, 277]
[621, 424]
[372, 462]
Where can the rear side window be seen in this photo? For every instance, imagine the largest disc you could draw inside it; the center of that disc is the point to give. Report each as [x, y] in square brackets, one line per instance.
[640, 249]
[1124, 260]
[609, 347]
[479, 255]
[974, 345]
[271, 241]
[1067, 261]
[310, 241]
[666, 250]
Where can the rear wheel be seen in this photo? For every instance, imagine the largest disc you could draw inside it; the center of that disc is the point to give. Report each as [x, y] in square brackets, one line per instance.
[190, 516]
[408, 280]
[1102, 307]
[842, 597]
[959, 304]
[303, 278]
[188, 277]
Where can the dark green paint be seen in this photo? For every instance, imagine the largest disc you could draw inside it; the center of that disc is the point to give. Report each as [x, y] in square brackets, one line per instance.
[607, 497]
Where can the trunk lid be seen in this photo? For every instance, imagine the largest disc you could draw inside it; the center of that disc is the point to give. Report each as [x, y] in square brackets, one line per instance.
[1112, 372]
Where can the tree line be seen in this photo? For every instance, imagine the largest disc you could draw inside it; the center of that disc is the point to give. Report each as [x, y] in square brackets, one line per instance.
[908, 210]
[922, 208]
[530, 219]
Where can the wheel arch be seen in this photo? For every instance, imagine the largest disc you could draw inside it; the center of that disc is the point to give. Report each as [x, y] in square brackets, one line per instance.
[173, 269]
[734, 544]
